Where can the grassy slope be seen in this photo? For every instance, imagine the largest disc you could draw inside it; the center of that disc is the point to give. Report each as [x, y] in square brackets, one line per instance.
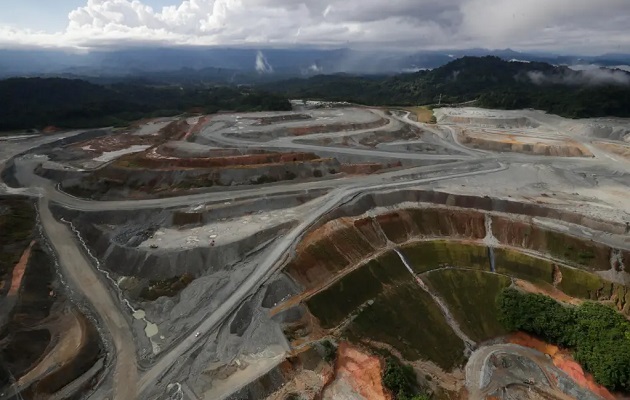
[426, 256]
[524, 267]
[332, 305]
[402, 315]
[471, 297]
[406, 318]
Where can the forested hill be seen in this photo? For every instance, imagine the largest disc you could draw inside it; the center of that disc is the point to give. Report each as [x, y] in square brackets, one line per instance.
[70, 103]
[493, 82]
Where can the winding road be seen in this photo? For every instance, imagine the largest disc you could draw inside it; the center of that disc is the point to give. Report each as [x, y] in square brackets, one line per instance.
[129, 383]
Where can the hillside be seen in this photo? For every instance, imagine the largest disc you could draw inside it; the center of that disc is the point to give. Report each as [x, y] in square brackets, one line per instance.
[72, 103]
[493, 82]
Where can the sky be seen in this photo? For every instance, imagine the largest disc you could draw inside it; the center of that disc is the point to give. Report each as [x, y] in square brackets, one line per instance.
[563, 26]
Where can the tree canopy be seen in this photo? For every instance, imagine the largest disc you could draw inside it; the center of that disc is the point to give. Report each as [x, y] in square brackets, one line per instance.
[492, 82]
[598, 335]
[72, 103]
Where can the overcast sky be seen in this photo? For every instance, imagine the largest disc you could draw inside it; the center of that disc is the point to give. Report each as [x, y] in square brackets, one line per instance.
[565, 26]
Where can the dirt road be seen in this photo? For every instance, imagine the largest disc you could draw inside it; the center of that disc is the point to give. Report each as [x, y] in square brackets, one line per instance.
[80, 273]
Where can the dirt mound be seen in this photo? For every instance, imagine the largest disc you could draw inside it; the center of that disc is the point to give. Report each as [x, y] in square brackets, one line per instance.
[619, 149]
[357, 376]
[524, 144]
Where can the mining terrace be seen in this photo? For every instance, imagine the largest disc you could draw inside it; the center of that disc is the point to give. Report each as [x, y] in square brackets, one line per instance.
[280, 255]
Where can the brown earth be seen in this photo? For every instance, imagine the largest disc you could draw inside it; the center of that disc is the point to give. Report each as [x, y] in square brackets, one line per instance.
[18, 271]
[343, 242]
[47, 342]
[367, 168]
[176, 130]
[67, 358]
[304, 373]
[564, 361]
[422, 114]
[550, 291]
[589, 254]
[523, 144]
[112, 142]
[358, 371]
[620, 149]
[145, 160]
[281, 118]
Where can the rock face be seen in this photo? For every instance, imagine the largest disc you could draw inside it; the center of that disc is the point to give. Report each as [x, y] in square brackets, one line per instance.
[121, 178]
[516, 122]
[516, 144]
[159, 264]
[344, 242]
[587, 254]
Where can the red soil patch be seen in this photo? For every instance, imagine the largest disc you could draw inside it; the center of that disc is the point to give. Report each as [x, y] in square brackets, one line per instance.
[550, 291]
[197, 127]
[175, 130]
[361, 169]
[18, 271]
[147, 160]
[361, 371]
[111, 143]
[367, 168]
[51, 129]
[564, 361]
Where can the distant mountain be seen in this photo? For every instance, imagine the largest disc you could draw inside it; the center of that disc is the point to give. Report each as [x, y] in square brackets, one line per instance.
[72, 103]
[242, 65]
[491, 81]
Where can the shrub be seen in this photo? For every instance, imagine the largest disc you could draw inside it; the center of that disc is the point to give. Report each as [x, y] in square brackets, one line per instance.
[401, 380]
[597, 334]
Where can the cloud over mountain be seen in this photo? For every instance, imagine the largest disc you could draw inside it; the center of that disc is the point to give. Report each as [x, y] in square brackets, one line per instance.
[567, 25]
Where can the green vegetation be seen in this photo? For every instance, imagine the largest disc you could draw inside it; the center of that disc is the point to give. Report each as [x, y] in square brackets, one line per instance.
[523, 266]
[391, 309]
[333, 304]
[578, 251]
[492, 82]
[575, 282]
[579, 283]
[405, 317]
[330, 351]
[472, 298]
[38, 102]
[17, 222]
[598, 336]
[427, 256]
[401, 380]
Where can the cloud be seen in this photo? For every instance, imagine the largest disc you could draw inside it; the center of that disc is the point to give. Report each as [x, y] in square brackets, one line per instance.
[327, 10]
[566, 25]
[262, 65]
[589, 77]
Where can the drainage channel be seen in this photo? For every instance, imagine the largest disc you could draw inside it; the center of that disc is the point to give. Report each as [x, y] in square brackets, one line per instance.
[151, 329]
[470, 344]
[490, 241]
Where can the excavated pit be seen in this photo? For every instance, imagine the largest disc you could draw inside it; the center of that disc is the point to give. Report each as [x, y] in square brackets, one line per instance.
[115, 237]
[351, 283]
[46, 341]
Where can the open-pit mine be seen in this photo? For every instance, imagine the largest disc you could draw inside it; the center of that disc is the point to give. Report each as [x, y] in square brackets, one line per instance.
[310, 254]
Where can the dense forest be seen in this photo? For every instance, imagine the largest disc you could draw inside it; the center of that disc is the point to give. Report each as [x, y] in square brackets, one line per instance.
[488, 81]
[492, 82]
[71, 103]
[598, 336]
